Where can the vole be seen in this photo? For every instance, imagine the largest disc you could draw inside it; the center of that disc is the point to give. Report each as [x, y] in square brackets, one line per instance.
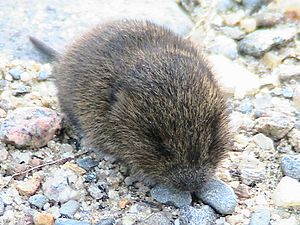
[138, 91]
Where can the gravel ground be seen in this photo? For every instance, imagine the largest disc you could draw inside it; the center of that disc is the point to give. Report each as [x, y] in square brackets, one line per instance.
[254, 48]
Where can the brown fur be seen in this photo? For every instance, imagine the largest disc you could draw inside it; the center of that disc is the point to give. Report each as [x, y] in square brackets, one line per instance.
[139, 92]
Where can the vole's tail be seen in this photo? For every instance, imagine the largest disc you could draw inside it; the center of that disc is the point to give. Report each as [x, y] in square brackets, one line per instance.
[45, 49]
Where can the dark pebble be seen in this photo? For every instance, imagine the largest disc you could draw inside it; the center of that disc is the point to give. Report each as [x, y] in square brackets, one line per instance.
[87, 163]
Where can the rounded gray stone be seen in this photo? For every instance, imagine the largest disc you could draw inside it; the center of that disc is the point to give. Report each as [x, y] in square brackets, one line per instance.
[290, 165]
[69, 208]
[204, 216]
[87, 163]
[107, 221]
[64, 221]
[38, 200]
[171, 196]
[260, 217]
[219, 196]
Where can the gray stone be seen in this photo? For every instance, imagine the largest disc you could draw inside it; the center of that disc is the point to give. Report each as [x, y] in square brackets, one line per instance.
[21, 89]
[96, 192]
[159, 218]
[225, 5]
[254, 5]
[16, 73]
[38, 200]
[204, 216]
[171, 196]
[261, 41]
[260, 217]
[263, 142]
[287, 92]
[275, 125]
[63, 221]
[2, 207]
[69, 208]
[107, 221]
[233, 32]
[87, 163]
[246, 107]
[290, 165]
[219, 196]
[225, 46]
[268, 19]
[252, 170]
[3, 84]
[294, 139]
[43, 75]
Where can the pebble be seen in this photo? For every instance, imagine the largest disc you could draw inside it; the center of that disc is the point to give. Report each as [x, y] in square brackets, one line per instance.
[2, 207]
[30, 186]
[234, 78]
[242, 191]
[225, 46]
[64, 221]
[287, 72]
[261, 41]
[3, 84]
[87, 163]
[20, 89]
[252, 170]
[233, 19]
[289, 221]
[96, 192]
[108, 221]
[74, 167]
[16, 72]
[69, 208]
[294, 139]
[287, 92]
[225, 5]
[275, 125]
[260, 217]
[219, 196]
[3, 153]
[43, 219]
[254, 5]
[58, 185]
[248, 25]
[233, 32]
[290, 165]
[287, 193]
[171, 196]
[246, 106]
[204, 216]
[268, 19]
[38, 200]
[43, 75]
[30, 126]
[263, 141]
[159, 218]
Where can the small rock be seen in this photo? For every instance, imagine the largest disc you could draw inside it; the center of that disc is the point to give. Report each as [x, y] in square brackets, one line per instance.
[296, 97]
[272, 60]
[252, 170]
[38, 200]
[159, 218]
[260, 217]
[276, 125]
[58, 186]
[233, 32]
[204, 216]
[287, 193]
[20, 89]
[234, 78]
[263, 142]
[254, 5]
[242, 191]
[96, 192]
[290, 165]
[108, 221]
[43, 75]
[171, 196]
[3, 84]
[3, 153]
[225, 46]
[225, 5]
[248, 25]
[289, 221]
[233, 18]
[123, 203]
[87, 163]
[75, 168]
[268, 19]
[294, 139]
[218, 195]
[69, 208]
[287, 72]
[30, 186]
[16, 72]
[287, 92]
[90, 177]
[30, 126]
[246, 107]
[25, 76]
[2, 207]
[261, 41]
[43, 219]
[63, 221]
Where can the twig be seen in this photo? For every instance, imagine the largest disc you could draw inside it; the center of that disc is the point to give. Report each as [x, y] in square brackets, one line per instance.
[63, 160]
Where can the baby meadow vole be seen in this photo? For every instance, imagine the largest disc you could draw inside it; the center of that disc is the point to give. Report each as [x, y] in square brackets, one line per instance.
[139, 92]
